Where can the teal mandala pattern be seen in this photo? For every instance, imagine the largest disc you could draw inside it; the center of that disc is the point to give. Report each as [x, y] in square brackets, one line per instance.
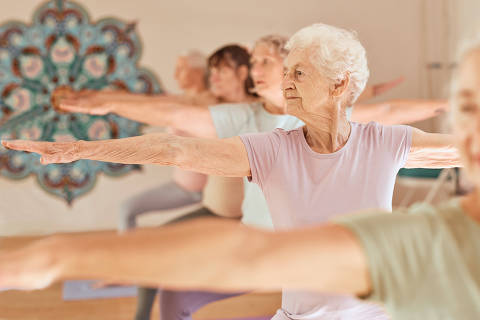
[63, 48]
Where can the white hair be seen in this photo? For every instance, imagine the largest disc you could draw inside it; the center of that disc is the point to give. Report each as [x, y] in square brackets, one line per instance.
[336, 54]
[195, 59]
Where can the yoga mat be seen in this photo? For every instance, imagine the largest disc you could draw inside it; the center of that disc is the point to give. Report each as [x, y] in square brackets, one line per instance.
[85, 289]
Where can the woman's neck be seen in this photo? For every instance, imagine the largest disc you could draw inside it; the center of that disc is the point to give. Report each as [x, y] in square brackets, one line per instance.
[471, 205]
[236, 97]
[327, 132]
[273, 108]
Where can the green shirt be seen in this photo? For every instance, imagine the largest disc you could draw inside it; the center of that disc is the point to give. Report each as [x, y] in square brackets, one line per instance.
[424, 262]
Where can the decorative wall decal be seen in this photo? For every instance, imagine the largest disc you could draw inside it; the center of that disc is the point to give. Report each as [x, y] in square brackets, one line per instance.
[63, 50]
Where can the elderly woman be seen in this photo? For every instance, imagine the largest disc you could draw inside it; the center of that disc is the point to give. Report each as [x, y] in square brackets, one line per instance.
[330, 163]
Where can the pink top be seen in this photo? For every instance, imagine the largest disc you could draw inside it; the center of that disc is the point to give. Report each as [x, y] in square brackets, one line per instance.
[304, 188]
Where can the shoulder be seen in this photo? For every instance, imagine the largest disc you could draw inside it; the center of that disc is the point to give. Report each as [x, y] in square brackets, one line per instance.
[235, 107]
[421, 217]
[383, 134]
[237, 112]
[293, 122]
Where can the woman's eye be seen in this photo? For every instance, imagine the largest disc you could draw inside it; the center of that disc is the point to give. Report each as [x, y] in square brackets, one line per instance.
[298, 73]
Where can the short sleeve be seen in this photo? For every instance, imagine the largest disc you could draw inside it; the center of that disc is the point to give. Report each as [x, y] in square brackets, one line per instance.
[230, 119]
[262, 150]
[397, 246]
[394, 142]
[400, 139]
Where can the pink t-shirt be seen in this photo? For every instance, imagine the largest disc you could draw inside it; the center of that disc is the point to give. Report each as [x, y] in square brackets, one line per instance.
[304, 188]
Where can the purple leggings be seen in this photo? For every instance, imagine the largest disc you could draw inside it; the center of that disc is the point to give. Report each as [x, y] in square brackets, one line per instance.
[180, 305]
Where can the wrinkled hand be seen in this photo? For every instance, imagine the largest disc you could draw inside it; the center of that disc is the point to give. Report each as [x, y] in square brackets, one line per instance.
[84, 101]
[51, 152]
[30, 268]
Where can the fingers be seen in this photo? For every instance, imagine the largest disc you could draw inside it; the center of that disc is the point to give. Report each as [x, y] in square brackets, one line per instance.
[23, 145]
[72, 105]
[76, 106]
[51, 152]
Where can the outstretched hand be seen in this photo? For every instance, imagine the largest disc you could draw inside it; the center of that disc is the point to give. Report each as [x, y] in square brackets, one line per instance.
[28, 268]
[51, 152]
[84, 101]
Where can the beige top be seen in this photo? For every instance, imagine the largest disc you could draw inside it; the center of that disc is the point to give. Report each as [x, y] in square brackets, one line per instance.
[224, 196]
[424, 262]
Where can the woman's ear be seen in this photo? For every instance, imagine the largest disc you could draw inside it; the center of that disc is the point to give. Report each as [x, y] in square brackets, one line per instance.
[338, 89]
[242, 72]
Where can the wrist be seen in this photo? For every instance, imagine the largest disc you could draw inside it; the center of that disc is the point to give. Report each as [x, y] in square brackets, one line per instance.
[58, 257]
[80, 150]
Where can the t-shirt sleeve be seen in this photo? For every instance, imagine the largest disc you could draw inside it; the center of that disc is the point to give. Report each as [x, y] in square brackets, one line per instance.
[397, 247]
[396, 141]
[228, 119]
[262, 150]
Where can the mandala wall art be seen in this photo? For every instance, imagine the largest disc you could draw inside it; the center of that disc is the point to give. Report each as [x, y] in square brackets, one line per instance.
[63, 49]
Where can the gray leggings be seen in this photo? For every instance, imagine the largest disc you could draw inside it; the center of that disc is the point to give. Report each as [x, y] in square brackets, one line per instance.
[165, 197]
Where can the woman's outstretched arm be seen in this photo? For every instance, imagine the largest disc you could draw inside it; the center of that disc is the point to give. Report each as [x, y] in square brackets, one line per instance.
[202, 254]
[186, 114]
[222, 157]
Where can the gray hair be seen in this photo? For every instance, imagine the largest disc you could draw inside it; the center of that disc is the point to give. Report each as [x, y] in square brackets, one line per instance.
[195, 58]
[276, 42]
[337, 53]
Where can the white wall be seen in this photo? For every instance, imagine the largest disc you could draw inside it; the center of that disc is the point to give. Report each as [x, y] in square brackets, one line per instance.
[390, 30]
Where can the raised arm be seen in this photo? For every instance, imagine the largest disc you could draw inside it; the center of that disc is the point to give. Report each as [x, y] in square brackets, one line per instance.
[203, 254]
[432, 150]
[189, 115]
[371, 91]
[223, 157]
[399, 111]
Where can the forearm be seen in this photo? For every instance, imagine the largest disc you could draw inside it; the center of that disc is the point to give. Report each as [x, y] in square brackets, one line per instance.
[156, 148]
[169, 112]
[145, 109]
[213, 255]
[432, 150]
[198, 254]
[399, 111]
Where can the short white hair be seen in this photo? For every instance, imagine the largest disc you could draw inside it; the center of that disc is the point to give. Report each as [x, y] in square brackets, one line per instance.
[195, 59]
[336, 54]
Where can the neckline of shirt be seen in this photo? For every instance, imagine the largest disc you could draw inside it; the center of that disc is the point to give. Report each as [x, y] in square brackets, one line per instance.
[337, 153]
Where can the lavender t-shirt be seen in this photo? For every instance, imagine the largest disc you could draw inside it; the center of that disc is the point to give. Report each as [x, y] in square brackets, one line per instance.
[304, 188]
